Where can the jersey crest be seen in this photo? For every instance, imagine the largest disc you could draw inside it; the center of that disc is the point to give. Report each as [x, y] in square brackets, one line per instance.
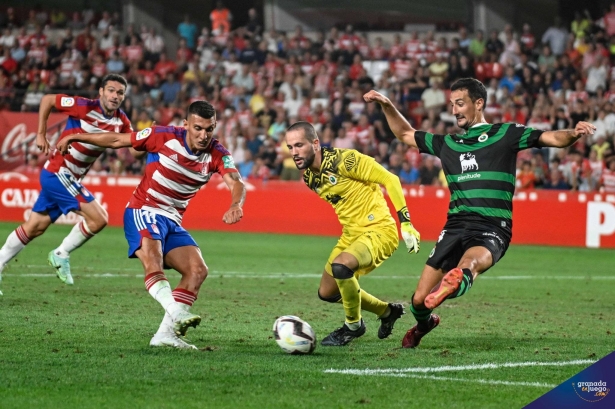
[468, 162]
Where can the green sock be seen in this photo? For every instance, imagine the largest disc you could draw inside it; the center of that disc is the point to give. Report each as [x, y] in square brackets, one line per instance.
[421, 315]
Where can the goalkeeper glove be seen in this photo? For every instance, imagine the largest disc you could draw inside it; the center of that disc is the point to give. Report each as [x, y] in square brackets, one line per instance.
[411, 237]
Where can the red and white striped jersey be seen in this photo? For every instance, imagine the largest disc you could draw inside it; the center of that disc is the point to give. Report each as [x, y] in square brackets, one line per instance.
[608, 181]
[84, 116]
[174, 174]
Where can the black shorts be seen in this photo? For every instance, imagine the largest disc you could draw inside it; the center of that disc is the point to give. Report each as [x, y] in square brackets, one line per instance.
[458, 236]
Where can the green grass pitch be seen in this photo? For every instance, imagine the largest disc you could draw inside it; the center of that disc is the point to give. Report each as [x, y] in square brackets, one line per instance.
[86, 346]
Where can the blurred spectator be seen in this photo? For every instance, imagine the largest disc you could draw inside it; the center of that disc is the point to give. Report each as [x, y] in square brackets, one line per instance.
[254, 27]
[220, 18]
[556, 181]
[526, 178]
[428, 173]
[555, 37]
[115, 64]
[187, 30]
[607, 179]
[105, 21]
[85, 39]
[408, 174]
[8, 39]
[164, 66]
[478, 44]
[143, 121]
[10, 19]
[154, 45]
[57, 18]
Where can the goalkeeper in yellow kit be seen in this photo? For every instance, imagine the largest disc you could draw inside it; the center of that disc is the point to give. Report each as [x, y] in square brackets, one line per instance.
[351, 181]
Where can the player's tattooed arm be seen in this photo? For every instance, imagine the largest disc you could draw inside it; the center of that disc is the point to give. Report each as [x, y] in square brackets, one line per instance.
[238, 194]
[566, 137]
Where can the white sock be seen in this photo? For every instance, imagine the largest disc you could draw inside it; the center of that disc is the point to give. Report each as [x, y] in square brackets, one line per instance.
[79, 234]
[161, 291]
[167, 322]
[15, 242]
[387, 312]
[354, 326]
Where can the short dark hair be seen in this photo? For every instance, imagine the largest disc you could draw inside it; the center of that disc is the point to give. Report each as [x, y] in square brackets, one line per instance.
[475, 88]
[203, 109]
[114, 77]
[308, 130]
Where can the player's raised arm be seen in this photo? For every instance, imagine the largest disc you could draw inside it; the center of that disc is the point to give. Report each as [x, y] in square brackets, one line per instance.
[47, 103]
[104, 140]
[399, 125]
[238, 194]
[566, 137]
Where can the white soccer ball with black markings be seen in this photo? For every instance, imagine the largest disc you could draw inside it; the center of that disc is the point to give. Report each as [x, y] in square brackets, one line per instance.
[294, 335]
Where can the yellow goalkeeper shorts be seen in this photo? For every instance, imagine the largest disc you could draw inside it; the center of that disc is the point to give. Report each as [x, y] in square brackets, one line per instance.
[370, 247]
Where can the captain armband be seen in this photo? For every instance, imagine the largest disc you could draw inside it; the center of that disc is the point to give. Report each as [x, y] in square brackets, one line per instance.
[403, 215]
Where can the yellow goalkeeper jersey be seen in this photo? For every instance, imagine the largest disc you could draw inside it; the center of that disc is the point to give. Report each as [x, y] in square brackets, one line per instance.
[350, 182]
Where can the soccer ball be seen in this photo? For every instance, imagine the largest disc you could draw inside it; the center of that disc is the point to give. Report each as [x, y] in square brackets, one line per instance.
[294, 335]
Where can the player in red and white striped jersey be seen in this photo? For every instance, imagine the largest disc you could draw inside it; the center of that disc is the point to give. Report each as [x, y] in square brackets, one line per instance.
[61, 189]
[179, 162]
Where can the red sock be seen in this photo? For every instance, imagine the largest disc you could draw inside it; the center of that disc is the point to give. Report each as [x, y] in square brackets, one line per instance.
[184, 296]
[153, 278]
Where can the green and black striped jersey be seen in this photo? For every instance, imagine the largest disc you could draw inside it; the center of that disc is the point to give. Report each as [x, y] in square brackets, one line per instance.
[480, 167]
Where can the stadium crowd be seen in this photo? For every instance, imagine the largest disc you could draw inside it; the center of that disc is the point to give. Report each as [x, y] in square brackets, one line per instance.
[262, 82]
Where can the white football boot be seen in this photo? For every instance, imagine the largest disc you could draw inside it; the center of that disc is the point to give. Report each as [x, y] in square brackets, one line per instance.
[169, 339]
[183, 319]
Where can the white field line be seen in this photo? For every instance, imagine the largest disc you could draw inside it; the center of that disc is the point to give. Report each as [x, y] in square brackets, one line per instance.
[411, 372]
[447, 368]
[108, 272]
[481, 381]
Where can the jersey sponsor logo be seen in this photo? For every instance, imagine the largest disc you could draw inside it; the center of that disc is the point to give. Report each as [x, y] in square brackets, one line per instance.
[350, 161]
[228, 161]
[461, 178]
[520, 125]
[370, 217]
[67, 102]
[174, 157]
[483, 137]
[468, 162]
[144, 134]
